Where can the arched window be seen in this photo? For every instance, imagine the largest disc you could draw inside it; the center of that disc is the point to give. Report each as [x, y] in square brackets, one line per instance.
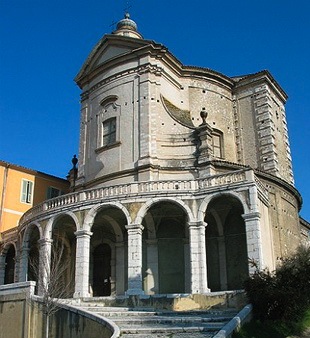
[108, 123]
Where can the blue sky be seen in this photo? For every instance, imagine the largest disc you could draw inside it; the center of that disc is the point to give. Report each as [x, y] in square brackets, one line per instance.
[44, 44]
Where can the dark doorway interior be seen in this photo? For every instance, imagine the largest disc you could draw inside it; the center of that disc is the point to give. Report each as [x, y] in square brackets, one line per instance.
[102, 270]
[9, 266]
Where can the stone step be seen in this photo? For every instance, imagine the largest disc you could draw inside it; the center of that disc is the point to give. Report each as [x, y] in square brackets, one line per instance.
[229, 312]
[170, 335]
[168, 329]
[170, 320]
[151, 323]
[105, 313]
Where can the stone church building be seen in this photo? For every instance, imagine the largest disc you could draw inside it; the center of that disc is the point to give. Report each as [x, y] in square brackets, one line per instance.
[184, 177]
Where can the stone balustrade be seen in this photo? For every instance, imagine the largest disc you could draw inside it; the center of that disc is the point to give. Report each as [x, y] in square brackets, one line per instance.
[143, 188]
[260, 186]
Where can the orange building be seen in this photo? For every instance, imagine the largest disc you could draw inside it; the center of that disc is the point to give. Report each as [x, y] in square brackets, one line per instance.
[21, 189]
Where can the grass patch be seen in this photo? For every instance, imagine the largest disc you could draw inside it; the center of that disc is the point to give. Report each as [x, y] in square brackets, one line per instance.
[274, 329]
[257, 329]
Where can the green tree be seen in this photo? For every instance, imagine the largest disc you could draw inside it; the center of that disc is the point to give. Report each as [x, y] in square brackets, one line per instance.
[283, 294]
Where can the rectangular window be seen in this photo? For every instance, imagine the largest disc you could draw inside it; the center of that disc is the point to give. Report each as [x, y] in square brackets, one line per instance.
[53, 192]
[109, 131]
[27, 191]
[217, 145]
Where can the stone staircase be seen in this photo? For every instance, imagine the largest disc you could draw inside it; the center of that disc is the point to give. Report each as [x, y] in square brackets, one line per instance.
[151, 323]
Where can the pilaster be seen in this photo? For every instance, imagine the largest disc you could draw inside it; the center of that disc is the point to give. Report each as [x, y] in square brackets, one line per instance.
[152, 263]
[268, 156]
[120, 268]
[254, 239]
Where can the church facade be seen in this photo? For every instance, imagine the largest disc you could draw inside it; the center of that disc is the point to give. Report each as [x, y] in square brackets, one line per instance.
[184, 178]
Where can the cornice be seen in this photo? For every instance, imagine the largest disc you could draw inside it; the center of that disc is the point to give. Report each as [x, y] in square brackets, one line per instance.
[260, 77]
[153, 50]
[146, 68]
[304, 223]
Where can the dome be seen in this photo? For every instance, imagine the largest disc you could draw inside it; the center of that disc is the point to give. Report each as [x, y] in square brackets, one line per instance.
[127, 27]
[127, 23]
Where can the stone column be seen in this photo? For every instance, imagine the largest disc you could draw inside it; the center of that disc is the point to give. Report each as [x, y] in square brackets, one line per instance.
[134, 259]
[198, 257]
[254, 239]
[23, 264]
[82, 263]
[44, 264]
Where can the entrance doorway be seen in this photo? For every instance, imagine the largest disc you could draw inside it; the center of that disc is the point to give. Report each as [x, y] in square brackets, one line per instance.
[102, 270]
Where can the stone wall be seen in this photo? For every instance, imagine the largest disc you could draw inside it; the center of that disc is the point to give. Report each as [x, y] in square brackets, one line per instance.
[21, 317]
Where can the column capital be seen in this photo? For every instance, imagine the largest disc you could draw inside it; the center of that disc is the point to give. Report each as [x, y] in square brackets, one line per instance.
[198, 224]
[45, 241]
[252, 216]
[134, 227]
[83, 233]
[25, 248]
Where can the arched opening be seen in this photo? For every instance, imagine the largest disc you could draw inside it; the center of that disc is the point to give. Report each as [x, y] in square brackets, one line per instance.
[108, 248]
[63, 252]
[9, 272]
[226, 247]
[165, 243]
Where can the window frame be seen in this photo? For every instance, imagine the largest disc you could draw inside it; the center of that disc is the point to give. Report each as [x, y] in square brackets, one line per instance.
[49, 192]
[111, 134]
[26, 193]
[220, 147]
[109, 113]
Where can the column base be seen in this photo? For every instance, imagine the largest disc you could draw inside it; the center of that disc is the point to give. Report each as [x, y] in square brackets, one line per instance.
[77, 295]
[134, 292]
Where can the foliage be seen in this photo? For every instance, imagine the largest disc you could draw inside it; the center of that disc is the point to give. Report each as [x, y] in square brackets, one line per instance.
[268, 329]
[283, 294]
[274, 329]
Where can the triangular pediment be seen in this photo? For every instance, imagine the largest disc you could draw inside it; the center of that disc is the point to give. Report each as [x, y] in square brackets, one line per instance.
[108, 48]
[111, 52]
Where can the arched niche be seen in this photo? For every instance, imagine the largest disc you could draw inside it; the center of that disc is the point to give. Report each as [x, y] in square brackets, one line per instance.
[165, 236]
[63, 255]
[9, 270]
[32, 248]
[226, 246]
[108, 252]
